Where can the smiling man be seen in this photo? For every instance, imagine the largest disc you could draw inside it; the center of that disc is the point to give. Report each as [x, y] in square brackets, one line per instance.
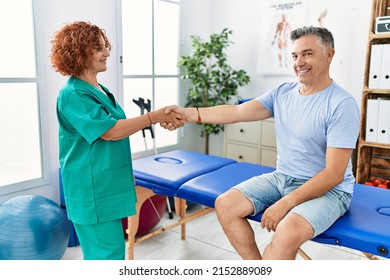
[316, 124]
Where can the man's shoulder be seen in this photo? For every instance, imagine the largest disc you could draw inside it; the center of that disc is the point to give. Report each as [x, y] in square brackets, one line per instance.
[338, 93]
[339, 90]
[286, 87]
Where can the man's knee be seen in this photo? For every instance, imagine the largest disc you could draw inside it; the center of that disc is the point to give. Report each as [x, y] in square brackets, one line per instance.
[222, 202]
[293, 229]
[233, 204]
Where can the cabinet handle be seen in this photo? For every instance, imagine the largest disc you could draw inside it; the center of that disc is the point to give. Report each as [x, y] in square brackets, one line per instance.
[241, 130]
[240, 157]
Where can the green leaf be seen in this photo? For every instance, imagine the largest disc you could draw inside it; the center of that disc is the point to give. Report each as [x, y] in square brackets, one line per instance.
[213, 80]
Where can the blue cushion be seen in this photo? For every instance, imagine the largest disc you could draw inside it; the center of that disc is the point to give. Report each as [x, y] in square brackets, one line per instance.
[168, 171]
[366, 226]
[205, 188]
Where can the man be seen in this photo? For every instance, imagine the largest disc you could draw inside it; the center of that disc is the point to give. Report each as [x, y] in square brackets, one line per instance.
[316, 124]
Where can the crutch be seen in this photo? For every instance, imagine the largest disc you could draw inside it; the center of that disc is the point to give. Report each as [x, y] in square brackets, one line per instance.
[147, 106]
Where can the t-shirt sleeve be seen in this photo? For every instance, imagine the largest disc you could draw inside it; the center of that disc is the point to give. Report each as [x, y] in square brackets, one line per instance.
[267, 100]
[90, 118]
[344, 127]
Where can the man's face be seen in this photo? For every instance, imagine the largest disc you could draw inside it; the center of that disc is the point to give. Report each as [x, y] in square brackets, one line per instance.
[311, 60]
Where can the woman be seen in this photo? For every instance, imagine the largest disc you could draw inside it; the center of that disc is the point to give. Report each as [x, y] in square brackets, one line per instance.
[94, 148]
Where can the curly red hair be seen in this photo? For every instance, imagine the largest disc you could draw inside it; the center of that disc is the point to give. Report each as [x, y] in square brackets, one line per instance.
[73, 45]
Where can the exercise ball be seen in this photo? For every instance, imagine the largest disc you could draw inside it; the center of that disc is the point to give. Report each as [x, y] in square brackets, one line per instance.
[32, 227]
[148, 217]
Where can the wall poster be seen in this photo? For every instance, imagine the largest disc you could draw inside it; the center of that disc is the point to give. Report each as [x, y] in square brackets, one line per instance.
[279, 19]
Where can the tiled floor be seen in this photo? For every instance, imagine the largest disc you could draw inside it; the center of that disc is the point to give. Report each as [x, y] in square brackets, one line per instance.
[206, 241]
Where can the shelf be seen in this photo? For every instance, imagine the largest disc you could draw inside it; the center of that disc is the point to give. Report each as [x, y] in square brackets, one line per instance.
[383, 36]
[363, 143]
[376, 91]
[373, 162]
[373, 159]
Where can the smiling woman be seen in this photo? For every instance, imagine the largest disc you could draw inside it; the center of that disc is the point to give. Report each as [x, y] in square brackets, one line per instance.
[94, 146]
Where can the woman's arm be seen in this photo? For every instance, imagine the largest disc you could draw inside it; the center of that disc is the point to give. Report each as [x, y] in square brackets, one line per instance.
[126, 127]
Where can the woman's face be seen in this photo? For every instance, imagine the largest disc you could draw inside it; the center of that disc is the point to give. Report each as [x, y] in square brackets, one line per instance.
[99, 59]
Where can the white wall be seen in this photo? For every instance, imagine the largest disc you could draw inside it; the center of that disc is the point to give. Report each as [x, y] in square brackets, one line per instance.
[347, 19]
[195, 19]
[52, 15]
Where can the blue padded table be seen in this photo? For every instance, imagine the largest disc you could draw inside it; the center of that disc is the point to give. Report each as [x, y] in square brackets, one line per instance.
[165, 173]
[205, 188]
[365, 227]
[200, 178]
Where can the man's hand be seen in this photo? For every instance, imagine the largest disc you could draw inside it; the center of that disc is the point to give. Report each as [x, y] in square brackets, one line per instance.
[274, 214]
[179, 113]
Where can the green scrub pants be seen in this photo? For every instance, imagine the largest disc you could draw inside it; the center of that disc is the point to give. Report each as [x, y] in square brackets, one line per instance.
[102, 241]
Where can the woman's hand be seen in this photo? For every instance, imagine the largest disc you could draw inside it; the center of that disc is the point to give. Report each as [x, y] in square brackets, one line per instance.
[179, 117]
[170, 117]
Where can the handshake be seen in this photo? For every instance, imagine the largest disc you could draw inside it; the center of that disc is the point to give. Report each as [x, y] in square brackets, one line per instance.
[171, 117]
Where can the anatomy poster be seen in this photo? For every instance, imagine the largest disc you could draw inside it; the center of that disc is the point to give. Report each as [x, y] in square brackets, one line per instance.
[279, 18]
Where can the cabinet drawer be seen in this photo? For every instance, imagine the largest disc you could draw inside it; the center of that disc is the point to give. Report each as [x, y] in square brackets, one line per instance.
[246, 132]
[242, 153]
[268, 157]
[268, 137]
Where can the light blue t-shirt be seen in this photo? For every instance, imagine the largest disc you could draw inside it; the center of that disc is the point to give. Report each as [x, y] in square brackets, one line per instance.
[306, 125]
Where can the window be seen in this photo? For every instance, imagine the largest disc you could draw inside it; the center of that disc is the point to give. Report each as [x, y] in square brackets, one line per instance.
[150, 34]
[20, 141]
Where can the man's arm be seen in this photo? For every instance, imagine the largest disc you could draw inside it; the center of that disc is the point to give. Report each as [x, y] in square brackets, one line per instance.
[328, 178]
[224, 114]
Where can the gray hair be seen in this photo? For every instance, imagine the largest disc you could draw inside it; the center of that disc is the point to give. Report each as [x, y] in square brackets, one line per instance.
[324, 35]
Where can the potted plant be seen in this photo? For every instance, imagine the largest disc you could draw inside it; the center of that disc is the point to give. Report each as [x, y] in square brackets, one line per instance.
[213, 80]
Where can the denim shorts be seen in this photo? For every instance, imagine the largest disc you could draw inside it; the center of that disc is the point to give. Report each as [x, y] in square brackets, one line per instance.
[321, 212]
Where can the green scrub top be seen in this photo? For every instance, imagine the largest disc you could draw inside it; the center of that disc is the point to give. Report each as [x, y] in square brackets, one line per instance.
[97, 175]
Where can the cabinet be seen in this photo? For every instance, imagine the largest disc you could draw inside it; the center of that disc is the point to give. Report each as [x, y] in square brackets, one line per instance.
[253, 142]
[373, 152]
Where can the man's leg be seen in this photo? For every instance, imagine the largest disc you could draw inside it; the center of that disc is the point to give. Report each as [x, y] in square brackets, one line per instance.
[290, 234]
[232, 208]
[305, 221]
